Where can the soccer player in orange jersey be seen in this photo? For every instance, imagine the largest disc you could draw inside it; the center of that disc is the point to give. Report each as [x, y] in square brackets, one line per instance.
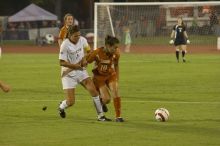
[4, 87]
[68, 21]
[106, 73]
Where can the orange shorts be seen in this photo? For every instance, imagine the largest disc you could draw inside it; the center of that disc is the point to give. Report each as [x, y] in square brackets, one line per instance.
[101, 80]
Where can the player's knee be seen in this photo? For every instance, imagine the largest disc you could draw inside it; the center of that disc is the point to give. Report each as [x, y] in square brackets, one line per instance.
[106, 100]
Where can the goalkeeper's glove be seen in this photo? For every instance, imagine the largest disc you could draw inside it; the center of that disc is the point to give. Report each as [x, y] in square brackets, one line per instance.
[171, 42]
[188, 41]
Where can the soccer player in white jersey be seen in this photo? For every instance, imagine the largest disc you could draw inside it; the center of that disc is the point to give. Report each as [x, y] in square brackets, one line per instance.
[73, 62]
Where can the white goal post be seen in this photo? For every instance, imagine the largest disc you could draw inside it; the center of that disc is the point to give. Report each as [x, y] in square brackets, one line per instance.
[150, 23]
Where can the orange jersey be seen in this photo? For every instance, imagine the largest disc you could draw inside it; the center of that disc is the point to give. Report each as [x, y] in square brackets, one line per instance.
[63, 33]
[104, 63]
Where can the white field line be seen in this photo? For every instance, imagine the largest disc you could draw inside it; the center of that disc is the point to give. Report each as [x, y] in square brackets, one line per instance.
[125, 101]
[136, 61]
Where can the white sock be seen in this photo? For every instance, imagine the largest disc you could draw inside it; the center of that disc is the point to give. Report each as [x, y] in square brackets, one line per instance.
[98, 106]
[63, 105]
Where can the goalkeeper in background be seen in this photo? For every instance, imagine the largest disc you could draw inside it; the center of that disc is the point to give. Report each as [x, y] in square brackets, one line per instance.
[179, 38]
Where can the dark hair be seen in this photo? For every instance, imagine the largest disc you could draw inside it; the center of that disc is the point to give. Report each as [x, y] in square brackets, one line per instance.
[110, 40]
[71, 30]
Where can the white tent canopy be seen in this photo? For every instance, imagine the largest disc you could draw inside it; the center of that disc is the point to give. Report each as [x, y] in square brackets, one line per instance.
[32, 13]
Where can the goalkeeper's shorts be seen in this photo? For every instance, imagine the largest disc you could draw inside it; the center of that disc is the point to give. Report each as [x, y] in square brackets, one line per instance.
[178, 42]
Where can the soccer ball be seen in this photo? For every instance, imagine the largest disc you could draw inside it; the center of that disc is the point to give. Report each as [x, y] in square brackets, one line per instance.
[49, 38]
[162, 114]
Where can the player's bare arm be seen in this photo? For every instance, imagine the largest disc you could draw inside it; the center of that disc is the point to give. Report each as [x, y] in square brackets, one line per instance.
[172, 37]
[172, 34]
[71, 66]
[186, 36]
[60, 41]
[91, 56]
[61, 36]
[83, 62]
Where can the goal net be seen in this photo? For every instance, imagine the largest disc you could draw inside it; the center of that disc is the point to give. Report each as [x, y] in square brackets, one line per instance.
[150, 24]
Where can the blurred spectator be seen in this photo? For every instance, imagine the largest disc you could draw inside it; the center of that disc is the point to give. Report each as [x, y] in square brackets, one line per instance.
[44, 24]
[53, 23]
[22, 32]
[1, 32]
[118, 30]
[213, 18]
[206, 9]
[21, 26]
[127, 39]
[90, 39]
[13, 35]
[28, 25]
[143, 26]
[194, 28]
[214, 23]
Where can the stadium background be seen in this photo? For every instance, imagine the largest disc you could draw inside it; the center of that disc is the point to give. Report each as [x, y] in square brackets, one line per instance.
[154, 33]
[150, 78]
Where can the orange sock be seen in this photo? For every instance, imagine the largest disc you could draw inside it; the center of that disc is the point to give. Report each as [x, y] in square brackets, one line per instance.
[117, 105]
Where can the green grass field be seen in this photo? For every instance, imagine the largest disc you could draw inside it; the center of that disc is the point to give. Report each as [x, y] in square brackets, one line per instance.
[162, 40]
[190, 91]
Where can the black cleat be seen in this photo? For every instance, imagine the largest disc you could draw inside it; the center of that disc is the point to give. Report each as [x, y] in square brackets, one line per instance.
[104, 108]
[62, 113]
[44, 108]
[103, 118]
[119, 119]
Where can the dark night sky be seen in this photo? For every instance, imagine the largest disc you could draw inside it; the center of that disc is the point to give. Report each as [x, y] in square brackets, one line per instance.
[81, 9]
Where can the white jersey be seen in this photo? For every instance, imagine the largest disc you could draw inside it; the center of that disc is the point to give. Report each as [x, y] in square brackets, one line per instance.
[72, 53]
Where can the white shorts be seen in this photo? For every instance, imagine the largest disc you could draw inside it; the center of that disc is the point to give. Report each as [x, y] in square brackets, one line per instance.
[71, 81]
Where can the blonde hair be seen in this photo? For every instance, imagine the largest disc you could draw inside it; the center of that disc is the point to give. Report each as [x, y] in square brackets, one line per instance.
[67, 15]
[181, 18]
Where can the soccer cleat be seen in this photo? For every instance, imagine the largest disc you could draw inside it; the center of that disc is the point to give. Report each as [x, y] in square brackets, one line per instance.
[62, 113]
[103, 118]
[119, 119]
[104, 108]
